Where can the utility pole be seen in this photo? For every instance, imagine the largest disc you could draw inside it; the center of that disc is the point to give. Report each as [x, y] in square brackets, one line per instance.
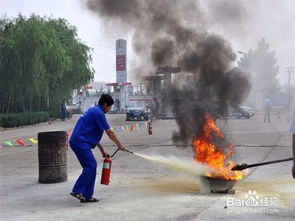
[290, 70]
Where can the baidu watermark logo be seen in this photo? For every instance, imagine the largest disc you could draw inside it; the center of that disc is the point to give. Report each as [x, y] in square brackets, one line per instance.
[252, 202]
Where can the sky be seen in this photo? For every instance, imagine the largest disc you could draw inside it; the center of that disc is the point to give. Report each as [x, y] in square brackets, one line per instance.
[273, 20]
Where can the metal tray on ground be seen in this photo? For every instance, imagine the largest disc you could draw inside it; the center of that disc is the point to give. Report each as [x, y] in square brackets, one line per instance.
[218, 185]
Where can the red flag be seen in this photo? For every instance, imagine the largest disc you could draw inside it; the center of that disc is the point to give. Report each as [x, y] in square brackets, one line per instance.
[21, 142]
[131, 128]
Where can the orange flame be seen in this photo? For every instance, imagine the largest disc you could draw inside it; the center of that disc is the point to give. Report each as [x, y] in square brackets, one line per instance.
[207, 152]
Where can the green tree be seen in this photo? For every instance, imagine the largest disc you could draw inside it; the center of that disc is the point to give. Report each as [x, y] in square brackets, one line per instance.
[262, 64]
[42, 61]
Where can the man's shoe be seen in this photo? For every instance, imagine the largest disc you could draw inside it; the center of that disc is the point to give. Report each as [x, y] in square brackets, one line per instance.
[91, 200]
[79, 196]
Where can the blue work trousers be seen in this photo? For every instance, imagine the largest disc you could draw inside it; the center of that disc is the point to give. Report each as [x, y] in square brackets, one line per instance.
[86, 181]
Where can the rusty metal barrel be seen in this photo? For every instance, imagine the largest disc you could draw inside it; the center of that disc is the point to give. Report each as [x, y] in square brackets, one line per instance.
[52, 154]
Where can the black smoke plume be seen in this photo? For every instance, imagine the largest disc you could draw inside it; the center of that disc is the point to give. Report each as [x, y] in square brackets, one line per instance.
[173, 33]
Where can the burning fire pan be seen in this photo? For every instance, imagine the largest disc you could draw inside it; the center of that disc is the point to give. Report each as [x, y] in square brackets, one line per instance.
[218, 185]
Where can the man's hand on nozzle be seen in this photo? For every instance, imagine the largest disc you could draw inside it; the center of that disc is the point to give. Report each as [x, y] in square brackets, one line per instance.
[122, 148]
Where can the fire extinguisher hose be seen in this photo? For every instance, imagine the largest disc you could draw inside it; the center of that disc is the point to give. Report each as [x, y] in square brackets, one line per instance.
[117, 151]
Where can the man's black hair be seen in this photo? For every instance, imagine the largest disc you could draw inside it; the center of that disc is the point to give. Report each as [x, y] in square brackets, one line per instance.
[106, 99]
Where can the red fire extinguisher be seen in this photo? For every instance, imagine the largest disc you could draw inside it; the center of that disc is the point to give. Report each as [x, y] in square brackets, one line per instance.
[150, 128]
[106, 169]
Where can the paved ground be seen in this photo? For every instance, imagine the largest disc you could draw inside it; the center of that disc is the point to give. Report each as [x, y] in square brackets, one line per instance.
[142, 190]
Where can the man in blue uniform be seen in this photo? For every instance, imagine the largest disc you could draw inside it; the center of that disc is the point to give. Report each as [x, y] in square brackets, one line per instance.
[86, 135]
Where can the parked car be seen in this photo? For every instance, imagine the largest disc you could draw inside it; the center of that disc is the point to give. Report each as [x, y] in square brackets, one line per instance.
[137, 111]
[74, 109]
[249, 110]
[241, 111]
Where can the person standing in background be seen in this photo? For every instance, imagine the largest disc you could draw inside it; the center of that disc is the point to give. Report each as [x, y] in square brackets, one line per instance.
[267, 109]
[63, 110]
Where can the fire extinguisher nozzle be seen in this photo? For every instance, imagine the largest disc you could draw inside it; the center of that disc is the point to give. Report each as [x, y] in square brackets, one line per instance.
[129, 151]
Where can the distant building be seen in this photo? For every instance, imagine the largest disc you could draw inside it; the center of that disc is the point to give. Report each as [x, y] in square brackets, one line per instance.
[99, 85]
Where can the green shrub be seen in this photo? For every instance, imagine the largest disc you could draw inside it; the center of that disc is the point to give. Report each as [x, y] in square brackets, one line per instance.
[21, 119]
